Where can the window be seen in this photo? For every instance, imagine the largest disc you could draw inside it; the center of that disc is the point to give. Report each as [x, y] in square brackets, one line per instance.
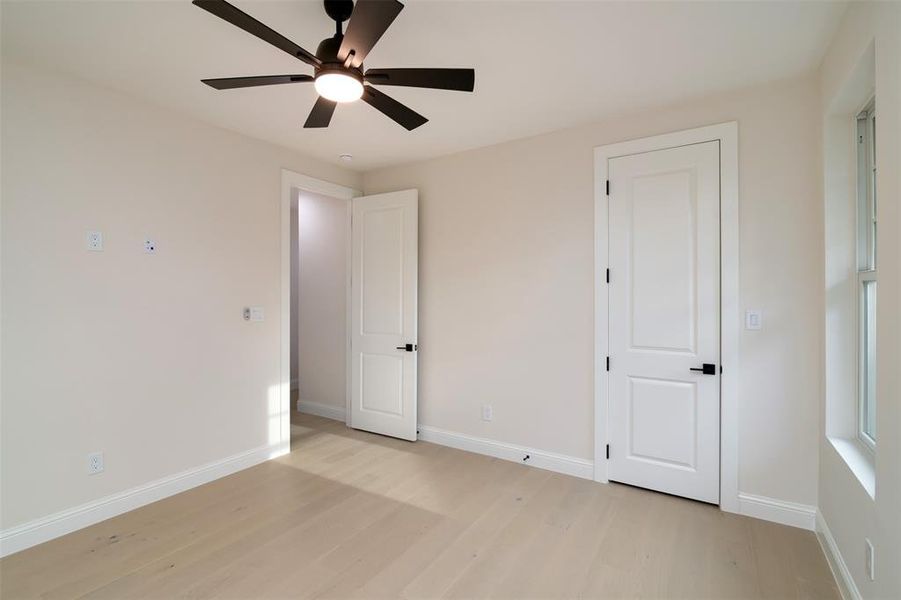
[866, 273]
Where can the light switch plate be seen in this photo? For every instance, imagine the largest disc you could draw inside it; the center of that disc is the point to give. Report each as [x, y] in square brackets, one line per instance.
[753, 319]
[256, 313]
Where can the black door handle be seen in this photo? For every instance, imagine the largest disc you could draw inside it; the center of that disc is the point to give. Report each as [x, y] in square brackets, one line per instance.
[706, 369]
[407, 347]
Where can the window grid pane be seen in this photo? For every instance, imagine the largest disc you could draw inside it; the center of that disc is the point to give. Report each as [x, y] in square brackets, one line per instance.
[868, 362]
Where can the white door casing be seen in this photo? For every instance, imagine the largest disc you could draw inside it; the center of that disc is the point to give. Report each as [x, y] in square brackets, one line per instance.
[384, 291]
[664, 319]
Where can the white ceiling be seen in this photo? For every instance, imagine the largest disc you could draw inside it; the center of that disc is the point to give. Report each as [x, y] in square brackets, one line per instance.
[540, 66]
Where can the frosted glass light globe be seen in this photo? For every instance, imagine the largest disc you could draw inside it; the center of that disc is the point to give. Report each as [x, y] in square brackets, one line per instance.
[338, 87]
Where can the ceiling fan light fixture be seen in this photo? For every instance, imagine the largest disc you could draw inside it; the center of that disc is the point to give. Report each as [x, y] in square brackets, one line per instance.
[338, 87]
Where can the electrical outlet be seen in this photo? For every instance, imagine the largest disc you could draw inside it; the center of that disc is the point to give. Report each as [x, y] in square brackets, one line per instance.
[870, 560]
[95, 463]
[95, 241]
[487, 412]
[149, 246]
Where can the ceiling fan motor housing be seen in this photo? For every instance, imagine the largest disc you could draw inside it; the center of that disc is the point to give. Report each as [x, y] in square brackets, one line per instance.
[327, 52]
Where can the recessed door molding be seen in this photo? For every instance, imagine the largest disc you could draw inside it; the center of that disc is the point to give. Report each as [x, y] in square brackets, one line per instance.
[727, 135]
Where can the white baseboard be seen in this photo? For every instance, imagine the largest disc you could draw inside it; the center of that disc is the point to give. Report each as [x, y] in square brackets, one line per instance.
[759, 507]
[322, 410]
[840, 569]
[568, 465]
[53, 526]
[778, 511]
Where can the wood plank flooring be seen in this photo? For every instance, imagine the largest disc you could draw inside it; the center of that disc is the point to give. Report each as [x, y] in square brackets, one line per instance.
[353, 515]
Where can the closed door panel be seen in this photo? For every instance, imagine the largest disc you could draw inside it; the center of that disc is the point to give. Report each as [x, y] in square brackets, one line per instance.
[383, 321]
[664, 320]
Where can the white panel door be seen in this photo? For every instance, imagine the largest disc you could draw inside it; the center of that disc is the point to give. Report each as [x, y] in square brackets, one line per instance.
[384, 289]
[664, 293]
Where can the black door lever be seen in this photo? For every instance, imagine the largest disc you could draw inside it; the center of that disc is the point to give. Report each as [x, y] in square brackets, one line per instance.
[407, 347]
[706, 369]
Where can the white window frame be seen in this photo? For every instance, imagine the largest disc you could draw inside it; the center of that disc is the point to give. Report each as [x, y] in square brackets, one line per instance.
[866, 253]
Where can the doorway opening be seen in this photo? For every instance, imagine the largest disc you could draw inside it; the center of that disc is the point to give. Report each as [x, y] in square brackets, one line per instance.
[366, 270]
[315, 299]
[320, 240]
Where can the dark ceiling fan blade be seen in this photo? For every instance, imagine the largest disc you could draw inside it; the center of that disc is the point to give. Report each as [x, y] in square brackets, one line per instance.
[462, 80]
[239, 18]
[393, 109]
[229, 83]
[369, 20]
[322, 112]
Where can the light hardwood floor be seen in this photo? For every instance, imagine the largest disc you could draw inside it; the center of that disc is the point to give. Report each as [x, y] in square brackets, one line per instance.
[354, 515]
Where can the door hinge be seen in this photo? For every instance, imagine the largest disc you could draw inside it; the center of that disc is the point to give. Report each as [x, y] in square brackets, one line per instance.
[608, 187]
[608, 363]
[608, 451]
[608, 275]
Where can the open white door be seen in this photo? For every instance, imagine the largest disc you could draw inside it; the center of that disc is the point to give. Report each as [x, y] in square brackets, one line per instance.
[384, 290]
[664, 382]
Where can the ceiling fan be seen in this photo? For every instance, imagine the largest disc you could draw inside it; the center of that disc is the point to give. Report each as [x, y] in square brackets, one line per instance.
[338, 73]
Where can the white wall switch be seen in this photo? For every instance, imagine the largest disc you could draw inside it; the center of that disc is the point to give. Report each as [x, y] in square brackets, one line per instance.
[753, 319]
[256, 313]
[95, 463]
[870, 560]
[149, 246]
[487, 412]
[94, 241]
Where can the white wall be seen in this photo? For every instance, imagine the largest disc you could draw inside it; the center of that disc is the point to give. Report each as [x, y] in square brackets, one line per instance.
[321, 331]
[146, 358]
[506, 288]
[849, 512]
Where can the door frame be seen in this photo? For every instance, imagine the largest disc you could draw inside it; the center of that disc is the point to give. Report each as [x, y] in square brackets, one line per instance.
[730, 320]
[292, 183]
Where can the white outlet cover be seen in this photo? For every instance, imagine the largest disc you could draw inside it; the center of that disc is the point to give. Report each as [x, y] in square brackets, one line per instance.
[149, 246]
[487, 412]
[94, 241]
[95, 463]
[257, 313]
